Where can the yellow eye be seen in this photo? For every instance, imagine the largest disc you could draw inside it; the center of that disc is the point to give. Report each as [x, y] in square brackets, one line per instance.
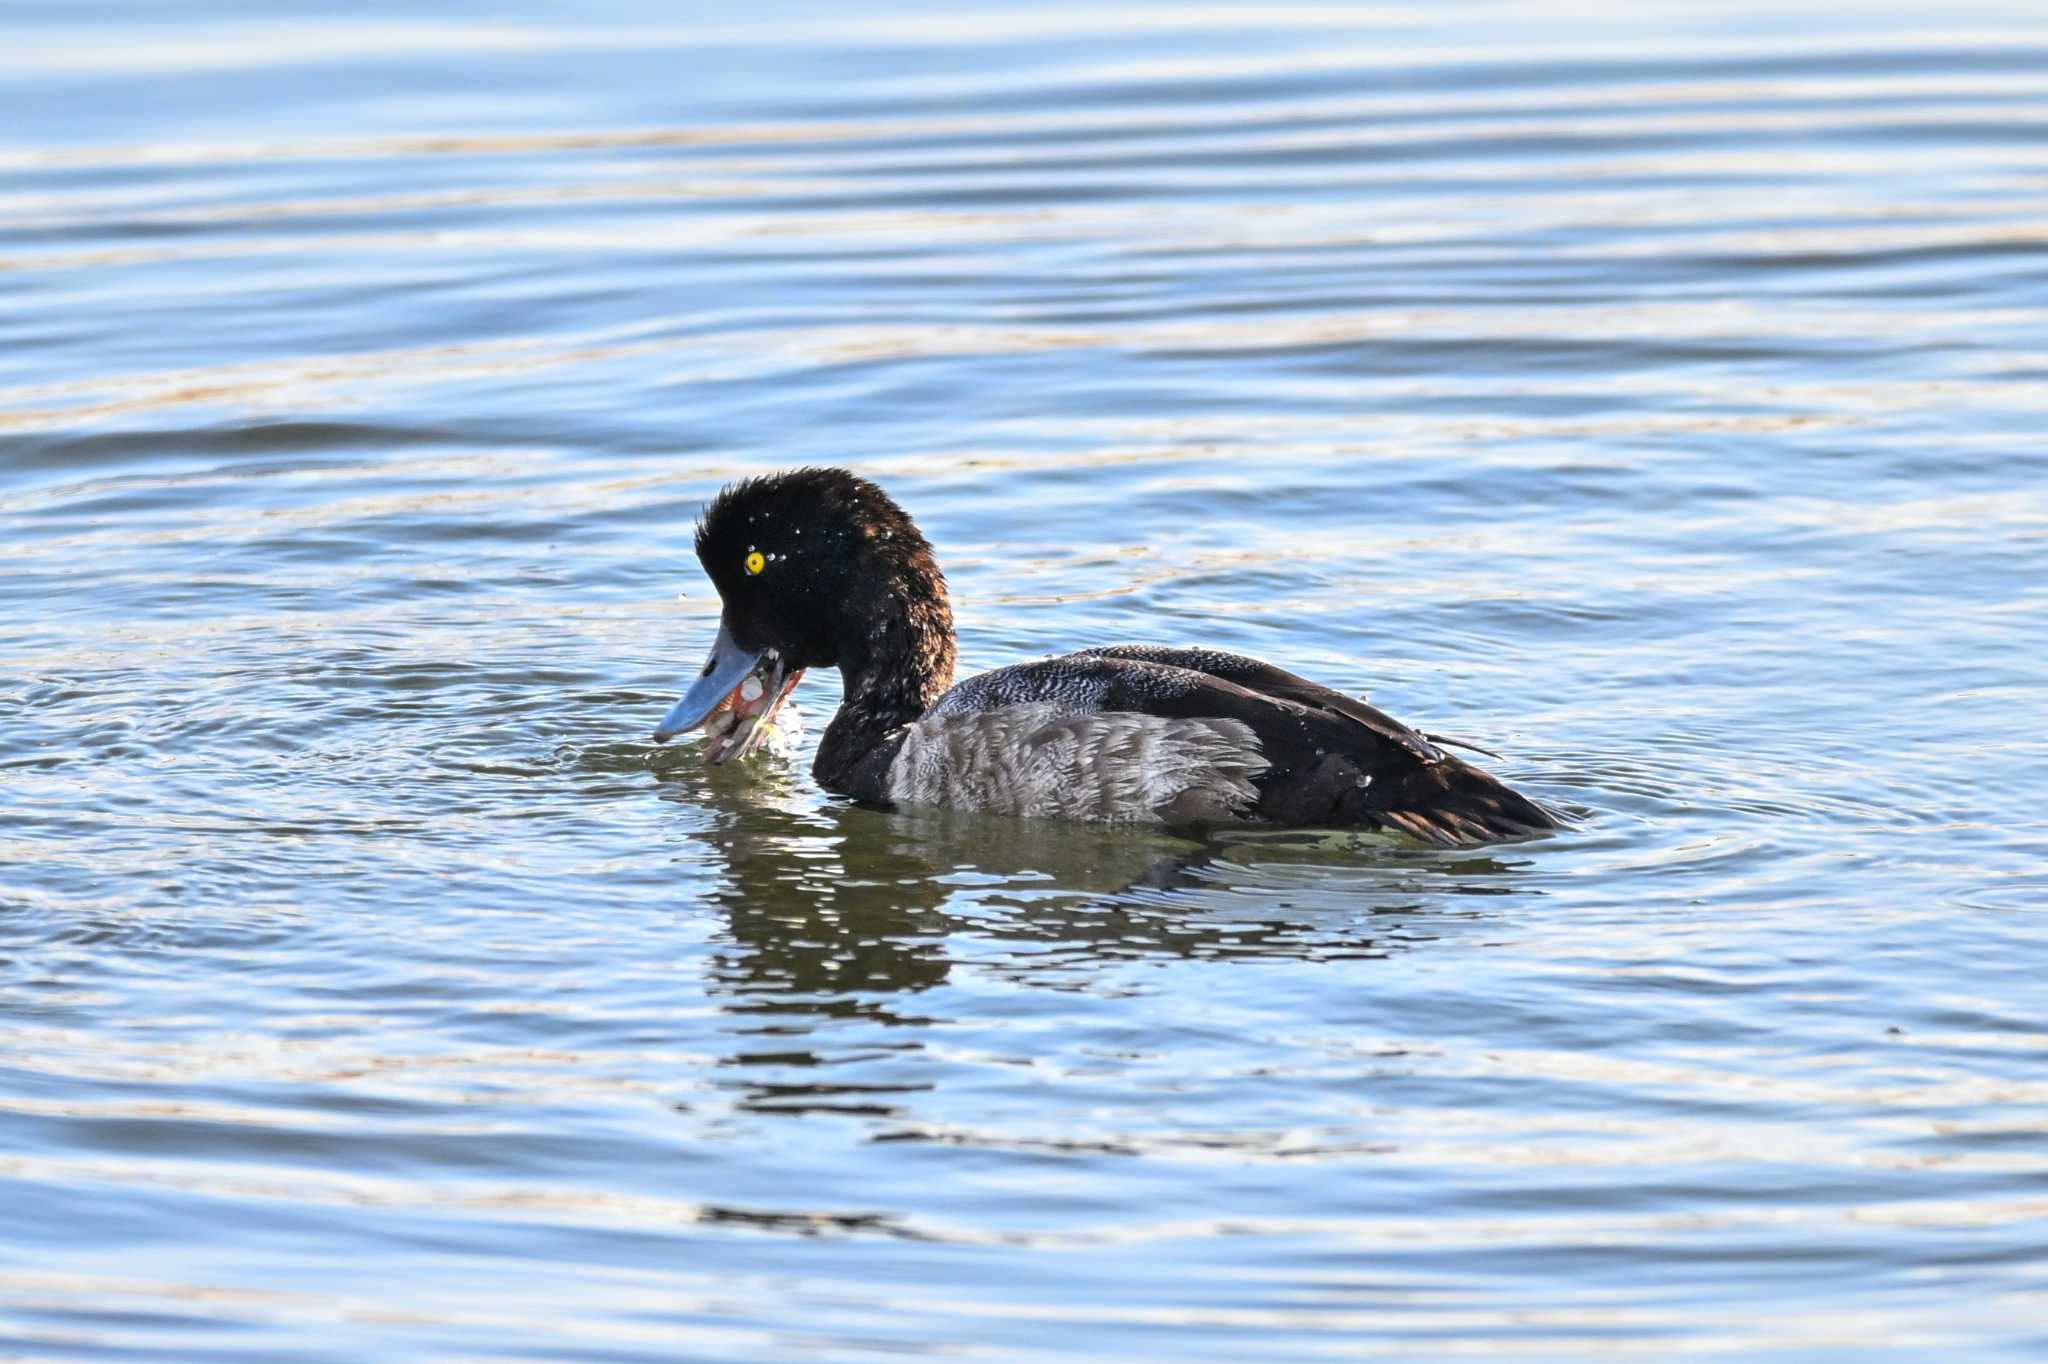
[755, 562]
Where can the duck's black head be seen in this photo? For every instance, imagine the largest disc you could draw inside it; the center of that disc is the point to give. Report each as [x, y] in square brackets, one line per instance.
[816, 568]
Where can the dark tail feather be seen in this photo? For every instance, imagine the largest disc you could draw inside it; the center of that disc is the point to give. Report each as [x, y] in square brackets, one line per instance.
[1447, 741]
[1453, 804]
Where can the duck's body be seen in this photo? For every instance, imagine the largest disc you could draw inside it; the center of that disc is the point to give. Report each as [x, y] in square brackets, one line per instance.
[819, 568]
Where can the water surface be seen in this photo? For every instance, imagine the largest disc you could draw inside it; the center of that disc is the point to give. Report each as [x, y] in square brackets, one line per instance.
[1653, 395]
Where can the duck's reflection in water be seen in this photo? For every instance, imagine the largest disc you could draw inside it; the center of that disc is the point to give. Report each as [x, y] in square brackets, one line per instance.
[834, 910]
[842, 922]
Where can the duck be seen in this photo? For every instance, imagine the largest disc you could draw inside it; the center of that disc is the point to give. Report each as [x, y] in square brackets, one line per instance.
[820, 568]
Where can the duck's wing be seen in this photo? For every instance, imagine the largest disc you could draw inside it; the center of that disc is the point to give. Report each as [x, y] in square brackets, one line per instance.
[1255, 674]
[1310, 758]
[1261, 676]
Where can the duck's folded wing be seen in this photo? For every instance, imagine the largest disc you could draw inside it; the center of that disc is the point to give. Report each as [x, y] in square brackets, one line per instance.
[1333, 761]
[1254, 674]
[1240, 752]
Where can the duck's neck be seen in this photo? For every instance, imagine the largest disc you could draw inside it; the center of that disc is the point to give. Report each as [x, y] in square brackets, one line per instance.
[896, 659]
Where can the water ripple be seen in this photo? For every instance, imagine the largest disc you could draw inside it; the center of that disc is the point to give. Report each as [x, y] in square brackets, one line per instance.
[1653, 397]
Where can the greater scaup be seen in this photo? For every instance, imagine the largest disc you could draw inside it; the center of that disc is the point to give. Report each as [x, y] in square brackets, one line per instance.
[818, 568]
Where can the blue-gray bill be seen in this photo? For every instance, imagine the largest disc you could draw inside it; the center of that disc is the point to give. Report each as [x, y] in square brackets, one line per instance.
[734, 699]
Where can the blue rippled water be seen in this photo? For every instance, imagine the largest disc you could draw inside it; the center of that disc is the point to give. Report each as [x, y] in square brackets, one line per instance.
[1654, 393]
